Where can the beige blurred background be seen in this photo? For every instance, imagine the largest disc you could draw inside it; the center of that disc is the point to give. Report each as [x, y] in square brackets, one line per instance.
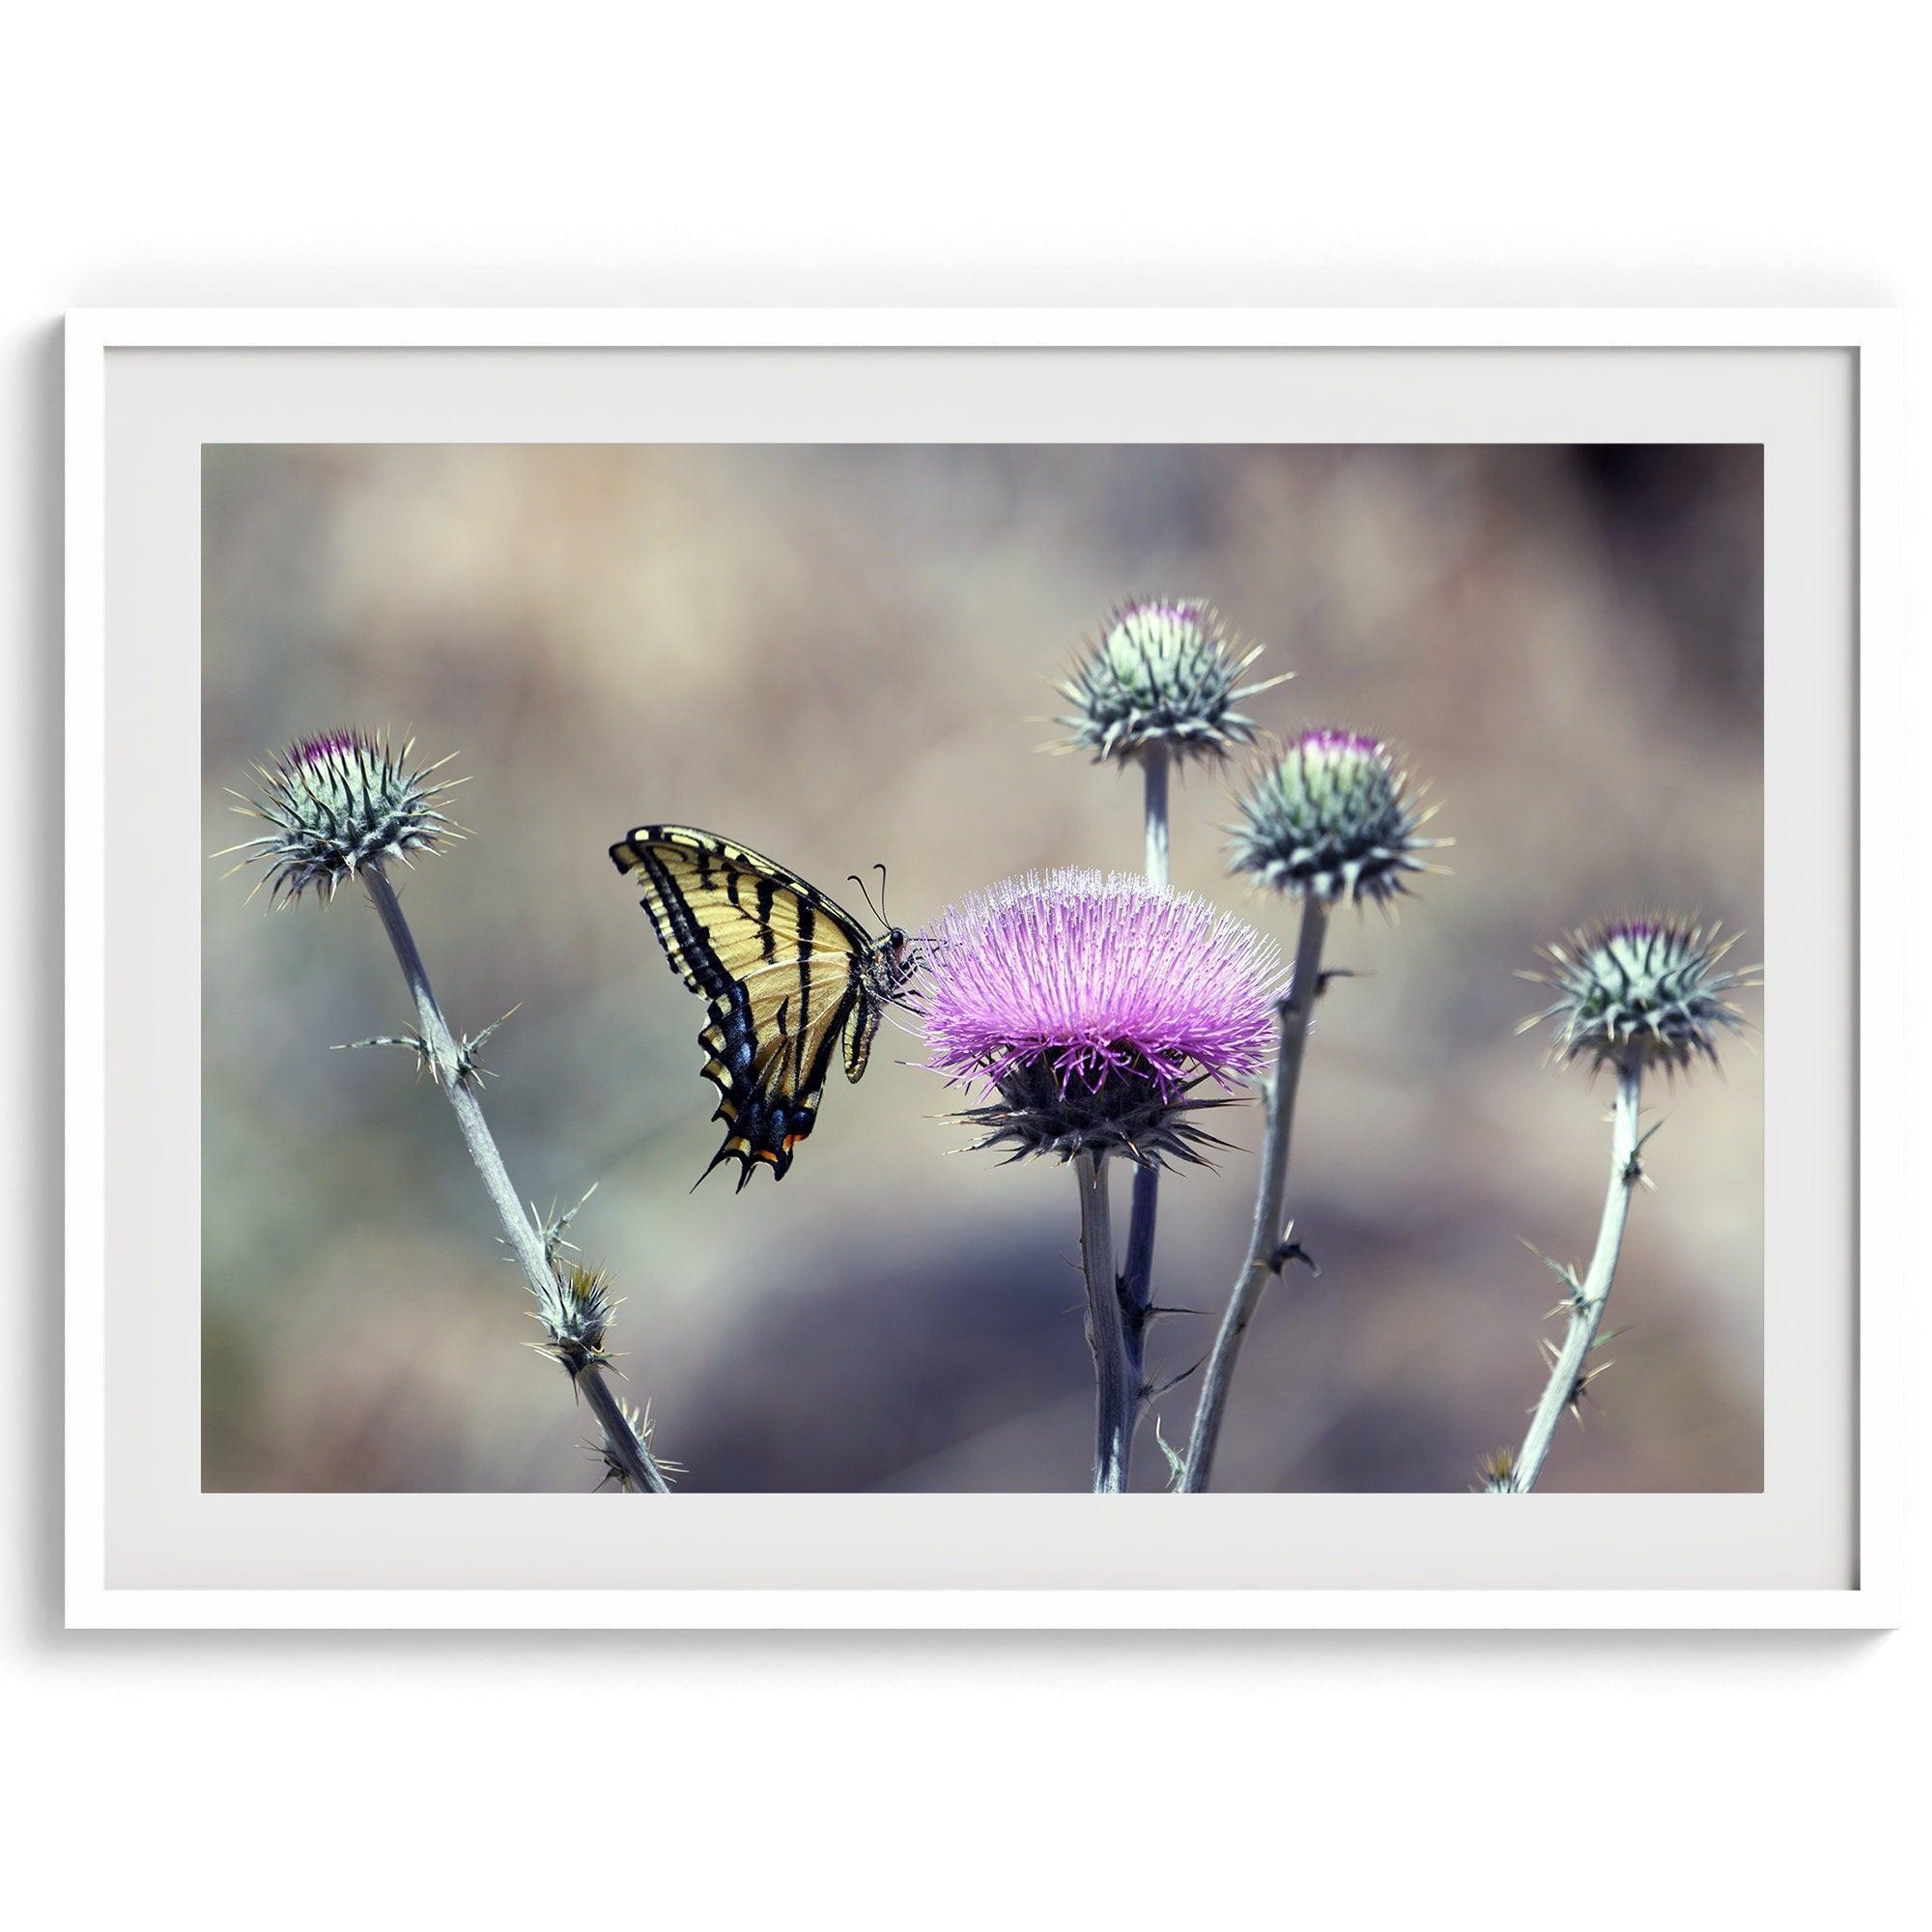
[835, 655]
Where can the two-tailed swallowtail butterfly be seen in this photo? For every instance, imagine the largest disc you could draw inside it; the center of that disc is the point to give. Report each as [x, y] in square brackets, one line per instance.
[791, 977]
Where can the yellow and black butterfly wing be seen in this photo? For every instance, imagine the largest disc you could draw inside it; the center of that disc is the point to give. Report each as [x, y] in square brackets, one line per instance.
[782, 968]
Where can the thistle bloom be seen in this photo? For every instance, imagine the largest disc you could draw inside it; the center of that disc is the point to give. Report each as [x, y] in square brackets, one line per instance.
[1093, 1004]
[338, 803]
[1165, 673]
[1645, 990]
[1331, 817]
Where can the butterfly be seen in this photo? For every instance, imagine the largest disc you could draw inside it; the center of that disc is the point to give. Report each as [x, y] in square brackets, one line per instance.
[790, 976]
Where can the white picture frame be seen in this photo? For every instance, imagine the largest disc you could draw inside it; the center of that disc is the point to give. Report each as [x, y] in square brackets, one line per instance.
[1869, 1598]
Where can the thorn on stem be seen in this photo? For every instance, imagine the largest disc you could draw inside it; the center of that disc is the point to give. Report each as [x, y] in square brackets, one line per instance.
[550, 1228]
[468, 1068]
[1294, 1251]
[1573, 1302]
[614, 1471]
[1150, 1391]
[1579, 1388]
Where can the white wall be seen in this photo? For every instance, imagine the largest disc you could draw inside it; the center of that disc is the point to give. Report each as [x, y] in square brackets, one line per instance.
[490, 154]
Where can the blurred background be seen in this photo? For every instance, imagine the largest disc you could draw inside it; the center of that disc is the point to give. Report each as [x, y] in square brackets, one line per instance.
[836, 655]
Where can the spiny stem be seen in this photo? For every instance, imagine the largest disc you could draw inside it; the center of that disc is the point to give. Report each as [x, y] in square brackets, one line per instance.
[1117, 1392]
[1137, 1282]
[525, 1242]
[1137, 1277]
[1263, 1262]
[1587, 1307]
[627, 1447]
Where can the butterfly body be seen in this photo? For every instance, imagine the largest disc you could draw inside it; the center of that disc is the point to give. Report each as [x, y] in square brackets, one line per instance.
[790, 976]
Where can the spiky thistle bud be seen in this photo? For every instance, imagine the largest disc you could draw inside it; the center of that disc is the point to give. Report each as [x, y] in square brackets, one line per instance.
[576, 1316]
[338, 803]
[1331, 815]
[1495, 1473]
[1644, 990]
[1166, 672]
[1094, 1006]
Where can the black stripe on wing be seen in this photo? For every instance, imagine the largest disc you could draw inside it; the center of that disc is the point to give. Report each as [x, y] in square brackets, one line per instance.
[684, 945]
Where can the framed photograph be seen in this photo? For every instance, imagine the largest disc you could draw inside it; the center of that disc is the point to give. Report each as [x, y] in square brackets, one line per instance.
[1266, 935]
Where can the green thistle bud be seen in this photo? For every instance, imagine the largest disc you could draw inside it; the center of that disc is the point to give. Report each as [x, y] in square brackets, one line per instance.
[1164, 673]
[337, 804]
[1645, 990]
[1332, 817]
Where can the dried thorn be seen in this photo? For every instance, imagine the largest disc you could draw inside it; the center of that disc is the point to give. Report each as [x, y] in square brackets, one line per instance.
[1294, 1251]
[573, 1361]
[413, 1042]
[1581, 1393]
[641, 1427]
[1177, 1463]
[1150, 1391]
[1634, 1168]
[1579, 1389]
[474, 1045]
[550, 1228]
[1564, 1272]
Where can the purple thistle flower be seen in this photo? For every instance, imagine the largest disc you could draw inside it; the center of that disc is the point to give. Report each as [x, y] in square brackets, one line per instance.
[1093, 1004]
[329, 746]
[1637, 930]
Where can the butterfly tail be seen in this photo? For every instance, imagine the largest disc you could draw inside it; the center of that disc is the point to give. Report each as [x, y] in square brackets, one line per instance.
[749, 1161]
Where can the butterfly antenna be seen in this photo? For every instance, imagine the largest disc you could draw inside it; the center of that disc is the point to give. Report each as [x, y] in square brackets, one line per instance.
[875, 911]
[879, 868]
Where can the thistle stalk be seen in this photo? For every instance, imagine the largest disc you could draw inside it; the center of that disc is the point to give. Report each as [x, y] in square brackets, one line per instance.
[1154, 765]
[1087, 1010]
[1266, 1248]
[1137, 1282]
[1116, 1388]
[1643, 990]
[446, 1063]
[1587, 1299]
